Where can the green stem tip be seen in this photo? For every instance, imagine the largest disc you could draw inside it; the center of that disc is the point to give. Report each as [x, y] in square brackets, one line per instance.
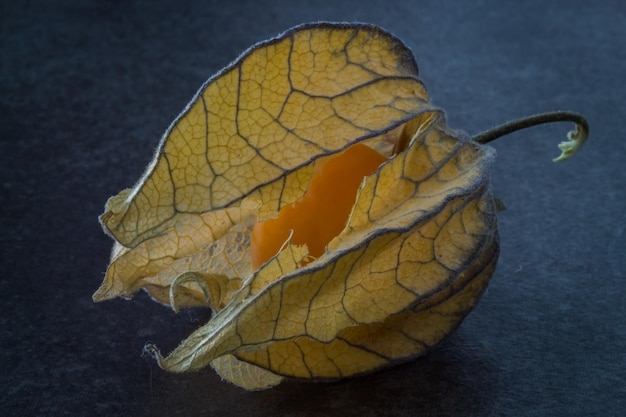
[568, 148]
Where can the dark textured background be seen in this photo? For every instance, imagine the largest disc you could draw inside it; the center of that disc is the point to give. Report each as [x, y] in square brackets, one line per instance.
[88, 87]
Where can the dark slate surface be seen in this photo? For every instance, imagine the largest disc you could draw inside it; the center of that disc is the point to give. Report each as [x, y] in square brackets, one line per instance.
[88, 87]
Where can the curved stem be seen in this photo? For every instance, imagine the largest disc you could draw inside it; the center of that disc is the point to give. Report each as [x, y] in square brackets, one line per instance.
[152, 350]
[569, 148]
